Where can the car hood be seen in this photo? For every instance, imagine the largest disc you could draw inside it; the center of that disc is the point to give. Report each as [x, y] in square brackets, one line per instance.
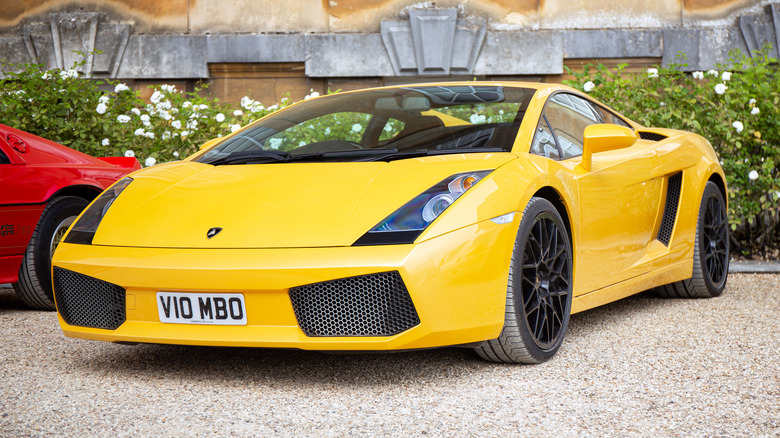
[280, 205]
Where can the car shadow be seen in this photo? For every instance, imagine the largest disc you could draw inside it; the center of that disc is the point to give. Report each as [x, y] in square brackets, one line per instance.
[296, 367]
[9, 301]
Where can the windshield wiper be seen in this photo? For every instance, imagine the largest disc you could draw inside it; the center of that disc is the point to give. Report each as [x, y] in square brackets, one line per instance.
[430, 152]
[251, 157]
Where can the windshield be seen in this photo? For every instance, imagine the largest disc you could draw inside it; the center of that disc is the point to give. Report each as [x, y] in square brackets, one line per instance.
[383, 124]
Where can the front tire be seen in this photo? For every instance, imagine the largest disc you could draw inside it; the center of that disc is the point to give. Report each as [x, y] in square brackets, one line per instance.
[710, 253]
[34, 287]
[539, 290]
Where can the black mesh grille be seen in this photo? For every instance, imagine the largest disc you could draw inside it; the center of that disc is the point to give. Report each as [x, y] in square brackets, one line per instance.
[369, 305]
[652, 136]
[670, 210]
[88, 302]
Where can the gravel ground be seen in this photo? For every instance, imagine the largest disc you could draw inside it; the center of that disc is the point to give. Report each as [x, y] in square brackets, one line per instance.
[639, 367]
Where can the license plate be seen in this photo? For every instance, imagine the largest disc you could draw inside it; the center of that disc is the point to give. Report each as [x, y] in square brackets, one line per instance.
[199, 308]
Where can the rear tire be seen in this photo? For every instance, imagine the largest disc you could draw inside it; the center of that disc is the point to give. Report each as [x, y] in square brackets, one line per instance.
[539, 290]
[710, 253]
[34, 287]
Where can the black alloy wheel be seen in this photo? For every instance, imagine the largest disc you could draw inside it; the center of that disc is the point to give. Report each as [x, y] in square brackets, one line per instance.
[539, 290]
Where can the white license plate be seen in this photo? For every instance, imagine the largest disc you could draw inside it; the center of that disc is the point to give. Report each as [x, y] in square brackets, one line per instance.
[198, 308]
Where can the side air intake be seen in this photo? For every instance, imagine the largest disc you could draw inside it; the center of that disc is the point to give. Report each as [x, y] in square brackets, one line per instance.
[670, 210]
[652, 136]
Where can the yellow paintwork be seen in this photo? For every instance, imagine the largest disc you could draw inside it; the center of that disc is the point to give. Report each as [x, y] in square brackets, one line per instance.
[288, 225]
[603, 138]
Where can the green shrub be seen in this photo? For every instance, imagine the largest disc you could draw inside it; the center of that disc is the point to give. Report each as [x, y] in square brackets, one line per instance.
[61, 106]
[737, 108]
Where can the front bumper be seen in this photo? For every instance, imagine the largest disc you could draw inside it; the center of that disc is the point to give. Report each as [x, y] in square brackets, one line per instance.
[457, 283]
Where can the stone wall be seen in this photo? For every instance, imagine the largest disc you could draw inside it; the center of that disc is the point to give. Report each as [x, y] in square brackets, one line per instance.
[265, 48]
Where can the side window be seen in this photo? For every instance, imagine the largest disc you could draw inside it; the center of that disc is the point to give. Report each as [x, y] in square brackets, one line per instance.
[609, 117]
[391, 129]
[4, 158]
[568, 115]
[544, 142]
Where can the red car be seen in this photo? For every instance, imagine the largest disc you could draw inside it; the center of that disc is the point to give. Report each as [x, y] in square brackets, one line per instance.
[43, 188]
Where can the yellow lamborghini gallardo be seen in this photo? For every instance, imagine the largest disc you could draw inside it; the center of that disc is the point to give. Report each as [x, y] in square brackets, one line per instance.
[475, 214]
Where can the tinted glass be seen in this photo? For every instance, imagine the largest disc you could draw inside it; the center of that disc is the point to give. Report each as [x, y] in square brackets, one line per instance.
[346, 127]
[568, 116]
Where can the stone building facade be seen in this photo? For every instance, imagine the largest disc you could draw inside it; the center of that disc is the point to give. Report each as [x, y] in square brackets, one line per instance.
[264, 48]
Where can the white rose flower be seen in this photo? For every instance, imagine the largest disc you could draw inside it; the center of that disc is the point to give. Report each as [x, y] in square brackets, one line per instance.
[175, 154]
[234, 128]
[103, 99]
[203, 106]
[136, 111]
[477, 118]
[120, 88]
[105, 142]
[327, 131]
[752, 101]
[753, 175]
[192, 124]
[166, 135]
[165, 115]
[129, 153]
[356, 127]
[238, 113]
[73, 74]
[186, 104]
[46, 75]
[273, 107]
[150, 162]
[145, 118]
[721, 88]
[219, 118]
[149, 134]
[738, 126]
[185, 133]
[176, 124]
[652, 72]
[712, 72]
[139, 132]
[164, 105]
[156, 97]
[755, 110]
[589, 86]
[122, 118]
[662, 104]
[698, 75]
[256, 108]
[101, 108]
[246, 102]
[168, 88]
[726, 75]
[195, 115]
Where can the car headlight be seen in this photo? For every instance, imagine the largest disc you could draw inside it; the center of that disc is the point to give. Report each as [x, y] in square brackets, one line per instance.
[84, 229]
[406, 223]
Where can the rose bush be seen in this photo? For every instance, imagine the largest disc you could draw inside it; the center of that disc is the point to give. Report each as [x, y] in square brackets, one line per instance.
[107, 118]
[736, 108]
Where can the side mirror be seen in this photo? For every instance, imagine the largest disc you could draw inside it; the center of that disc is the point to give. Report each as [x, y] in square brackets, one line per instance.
[605, 137]
[209, 143]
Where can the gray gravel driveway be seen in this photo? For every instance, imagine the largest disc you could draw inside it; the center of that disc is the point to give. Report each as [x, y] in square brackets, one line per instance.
[643, 366]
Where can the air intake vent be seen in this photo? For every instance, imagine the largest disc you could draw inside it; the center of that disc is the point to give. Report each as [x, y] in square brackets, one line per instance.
[368, 305]
[652, 136]
[670, 210]
[88, 302]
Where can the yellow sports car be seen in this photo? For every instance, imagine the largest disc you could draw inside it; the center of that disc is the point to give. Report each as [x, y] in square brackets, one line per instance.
[476, 214]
